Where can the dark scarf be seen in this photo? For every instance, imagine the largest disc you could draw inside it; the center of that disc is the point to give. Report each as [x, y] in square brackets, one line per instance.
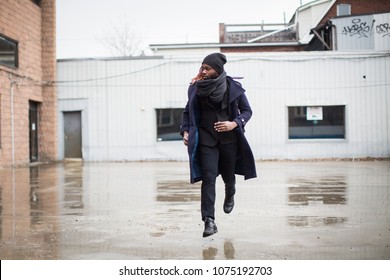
[214, 89]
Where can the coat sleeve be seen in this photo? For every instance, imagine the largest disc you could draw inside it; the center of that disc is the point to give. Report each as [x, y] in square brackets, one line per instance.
[244, 111]
[185, 122]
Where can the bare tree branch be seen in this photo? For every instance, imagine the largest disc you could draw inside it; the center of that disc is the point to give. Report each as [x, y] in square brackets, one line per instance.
[122, 40]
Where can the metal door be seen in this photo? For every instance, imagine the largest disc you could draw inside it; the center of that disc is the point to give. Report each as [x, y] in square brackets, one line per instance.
[72, 134]
[33, 130]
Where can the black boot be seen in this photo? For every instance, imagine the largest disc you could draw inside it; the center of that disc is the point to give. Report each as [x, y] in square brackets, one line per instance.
[209, 227]
[228, 203]
[230, 190]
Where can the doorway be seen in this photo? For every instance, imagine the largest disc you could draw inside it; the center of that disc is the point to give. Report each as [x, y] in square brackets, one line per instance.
[72, 135]
[33, 130]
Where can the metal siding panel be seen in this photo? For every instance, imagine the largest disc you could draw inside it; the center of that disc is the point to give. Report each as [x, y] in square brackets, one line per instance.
[122, 117]
[382, 32]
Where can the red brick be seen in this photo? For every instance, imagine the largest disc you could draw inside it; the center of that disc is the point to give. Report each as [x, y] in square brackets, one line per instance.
[35, 34]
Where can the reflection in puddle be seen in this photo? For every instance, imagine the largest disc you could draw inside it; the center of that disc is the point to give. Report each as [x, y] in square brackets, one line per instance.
[306, 221]
[28, 224]
[324, 190]
[148, 210]
[228, 250]
[210, 253]
[73, 186]
[35, 211]
[177, 191]
[310, 192]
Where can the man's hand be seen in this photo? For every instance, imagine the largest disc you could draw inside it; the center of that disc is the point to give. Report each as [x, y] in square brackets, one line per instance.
[225, 126]
[185, 137]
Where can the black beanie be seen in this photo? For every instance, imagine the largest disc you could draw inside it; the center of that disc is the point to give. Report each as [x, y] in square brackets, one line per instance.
[216, 61]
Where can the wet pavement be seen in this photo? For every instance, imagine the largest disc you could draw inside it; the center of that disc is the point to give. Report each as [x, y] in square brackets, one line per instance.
[148, 210]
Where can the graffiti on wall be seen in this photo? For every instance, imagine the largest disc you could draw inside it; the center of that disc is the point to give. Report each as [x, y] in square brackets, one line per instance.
[363, 29]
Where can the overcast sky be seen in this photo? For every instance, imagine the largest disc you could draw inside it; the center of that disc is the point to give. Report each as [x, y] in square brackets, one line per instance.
[81, 23]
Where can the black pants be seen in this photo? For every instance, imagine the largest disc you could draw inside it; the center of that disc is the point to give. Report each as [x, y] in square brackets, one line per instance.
[217, 159]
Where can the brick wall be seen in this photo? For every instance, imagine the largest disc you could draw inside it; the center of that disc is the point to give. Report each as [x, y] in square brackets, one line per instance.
[35, 35]
[262, 49]
[357, 7]
[48, 108]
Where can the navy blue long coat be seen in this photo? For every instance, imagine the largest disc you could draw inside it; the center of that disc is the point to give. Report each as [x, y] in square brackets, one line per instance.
[239, 111]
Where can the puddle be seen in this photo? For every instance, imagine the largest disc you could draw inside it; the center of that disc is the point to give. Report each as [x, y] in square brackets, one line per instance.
[177, 191]
[148, 210]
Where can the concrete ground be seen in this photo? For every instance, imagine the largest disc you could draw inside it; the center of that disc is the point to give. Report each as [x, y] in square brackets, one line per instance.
[148, 210]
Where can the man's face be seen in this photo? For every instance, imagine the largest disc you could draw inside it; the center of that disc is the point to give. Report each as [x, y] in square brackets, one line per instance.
[208, 72]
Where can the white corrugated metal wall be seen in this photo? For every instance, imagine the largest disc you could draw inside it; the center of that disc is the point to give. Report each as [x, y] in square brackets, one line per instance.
[357, 81]
[118, 99]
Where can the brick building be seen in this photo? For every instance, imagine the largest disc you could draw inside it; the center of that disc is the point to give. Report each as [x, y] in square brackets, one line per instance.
[307, 30]
[28, 102]
[301, 29]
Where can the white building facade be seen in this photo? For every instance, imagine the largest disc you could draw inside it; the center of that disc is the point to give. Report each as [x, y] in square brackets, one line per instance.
[305, 105]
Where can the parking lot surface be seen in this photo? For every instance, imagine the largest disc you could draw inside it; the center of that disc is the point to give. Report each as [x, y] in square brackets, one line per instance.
[149, 210]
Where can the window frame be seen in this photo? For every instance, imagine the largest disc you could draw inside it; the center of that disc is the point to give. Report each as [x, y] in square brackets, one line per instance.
[344, 10]
[1, 121]
[15, 54]
[37, 2]
[312, 137]
[173, 122]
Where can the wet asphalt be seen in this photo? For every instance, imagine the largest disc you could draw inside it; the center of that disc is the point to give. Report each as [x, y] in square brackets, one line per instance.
[294, 210]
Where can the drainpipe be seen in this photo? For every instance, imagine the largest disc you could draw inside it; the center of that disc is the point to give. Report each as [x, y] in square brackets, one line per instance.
[12, 123]
[334, 36]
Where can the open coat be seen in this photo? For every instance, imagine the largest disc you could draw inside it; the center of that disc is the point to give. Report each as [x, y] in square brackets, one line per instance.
[239, 111]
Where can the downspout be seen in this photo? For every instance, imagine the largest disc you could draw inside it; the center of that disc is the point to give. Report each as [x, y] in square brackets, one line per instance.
[334, 36]
[12, 123]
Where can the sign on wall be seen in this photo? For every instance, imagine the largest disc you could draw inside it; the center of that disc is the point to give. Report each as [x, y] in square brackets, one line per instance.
[314, 113]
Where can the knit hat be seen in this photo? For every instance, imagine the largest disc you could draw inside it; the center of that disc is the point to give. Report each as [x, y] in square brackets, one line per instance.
[216, 61]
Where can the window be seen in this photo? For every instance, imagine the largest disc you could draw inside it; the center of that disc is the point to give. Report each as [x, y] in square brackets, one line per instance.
[168, 124]
[316, 122]
[8, 52]
[343, 9]
[38, 2]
